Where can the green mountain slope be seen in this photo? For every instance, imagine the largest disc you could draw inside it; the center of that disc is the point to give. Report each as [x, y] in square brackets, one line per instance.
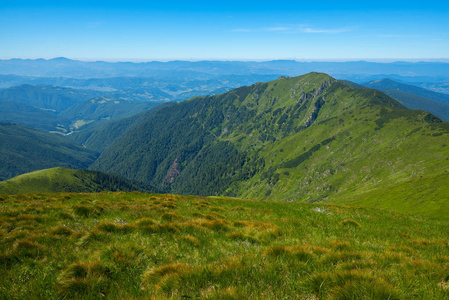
[23, 150]
[66, 180]
[308, 138]
[427, 195]
[99, 136]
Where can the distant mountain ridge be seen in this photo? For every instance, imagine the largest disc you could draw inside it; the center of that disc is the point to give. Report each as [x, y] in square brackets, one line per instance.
[196, 69]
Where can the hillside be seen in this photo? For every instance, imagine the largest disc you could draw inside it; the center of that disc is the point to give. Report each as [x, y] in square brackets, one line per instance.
[147, 246]
[104, 109]
[68, 180]
[24, 149]
[308, 138]
[394, 85]
[411, 101]
[27, 115]
[47, 97]
[99, 136]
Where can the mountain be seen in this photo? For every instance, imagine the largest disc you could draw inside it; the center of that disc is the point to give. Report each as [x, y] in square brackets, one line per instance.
[307, 138]
[27, 115]
[52, 98]
[388, 84]
[57, 180]
[24, 149]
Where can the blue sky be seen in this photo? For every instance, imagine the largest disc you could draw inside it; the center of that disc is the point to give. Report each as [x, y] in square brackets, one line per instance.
[230, 30]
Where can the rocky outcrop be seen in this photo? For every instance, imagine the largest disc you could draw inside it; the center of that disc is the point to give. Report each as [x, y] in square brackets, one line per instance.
[172, 172]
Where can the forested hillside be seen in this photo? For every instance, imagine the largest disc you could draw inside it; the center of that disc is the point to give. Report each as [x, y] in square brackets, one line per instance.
[53, 98]
[24, 114]
[24, 149]
[306, 138]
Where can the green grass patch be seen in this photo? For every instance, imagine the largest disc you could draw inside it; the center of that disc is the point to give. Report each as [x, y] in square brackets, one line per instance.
[116, 245]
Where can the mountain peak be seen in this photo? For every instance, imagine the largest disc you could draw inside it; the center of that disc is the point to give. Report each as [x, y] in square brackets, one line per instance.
[60, 59]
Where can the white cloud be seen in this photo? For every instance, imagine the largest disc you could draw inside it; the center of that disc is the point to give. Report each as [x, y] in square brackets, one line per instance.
[296, 29]
[327, 30]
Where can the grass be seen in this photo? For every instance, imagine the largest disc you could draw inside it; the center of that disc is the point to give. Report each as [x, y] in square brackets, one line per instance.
[134, 245]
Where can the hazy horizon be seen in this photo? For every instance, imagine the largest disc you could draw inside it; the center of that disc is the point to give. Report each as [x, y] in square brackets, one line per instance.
[299, 60]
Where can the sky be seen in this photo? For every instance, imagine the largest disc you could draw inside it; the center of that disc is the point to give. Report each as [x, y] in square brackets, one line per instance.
[228, 30]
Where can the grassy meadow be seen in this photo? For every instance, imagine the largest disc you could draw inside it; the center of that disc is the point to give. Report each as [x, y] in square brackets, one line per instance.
[149, 246]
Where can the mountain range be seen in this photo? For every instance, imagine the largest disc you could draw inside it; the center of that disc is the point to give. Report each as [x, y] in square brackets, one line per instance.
[156, 79]
[64, 67]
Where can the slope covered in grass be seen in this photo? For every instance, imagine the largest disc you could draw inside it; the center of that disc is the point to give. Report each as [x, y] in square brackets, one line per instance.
[133, 245]
[427, 195]
[69, 180]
